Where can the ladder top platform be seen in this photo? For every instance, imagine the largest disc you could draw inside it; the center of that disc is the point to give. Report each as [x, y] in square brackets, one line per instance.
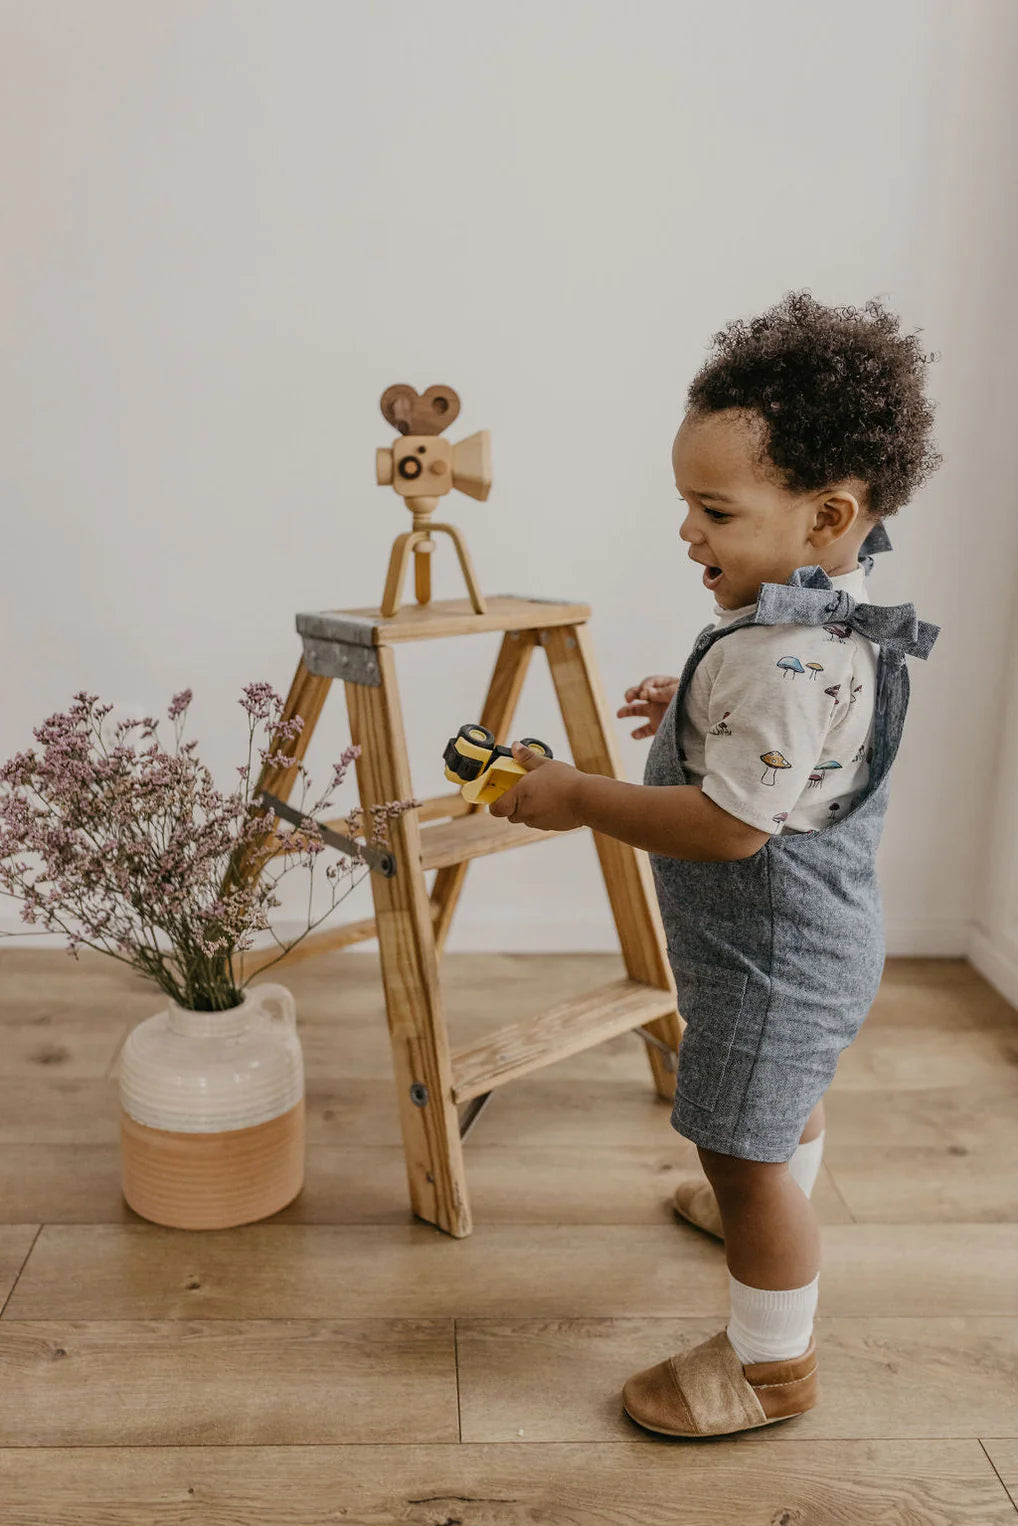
[442, 617]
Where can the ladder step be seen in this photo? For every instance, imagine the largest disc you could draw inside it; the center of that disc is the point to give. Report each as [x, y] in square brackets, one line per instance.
[565, 1029]
[473, 836]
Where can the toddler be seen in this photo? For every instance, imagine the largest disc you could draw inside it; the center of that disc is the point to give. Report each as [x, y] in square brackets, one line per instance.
[762, 806]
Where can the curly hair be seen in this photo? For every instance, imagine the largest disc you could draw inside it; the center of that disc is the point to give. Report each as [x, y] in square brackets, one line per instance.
[838, 391]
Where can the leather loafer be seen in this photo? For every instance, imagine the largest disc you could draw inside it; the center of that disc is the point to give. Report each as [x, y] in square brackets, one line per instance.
[708, 1392]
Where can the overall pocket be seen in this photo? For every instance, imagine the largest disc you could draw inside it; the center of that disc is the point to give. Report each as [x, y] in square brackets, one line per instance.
[710, 999]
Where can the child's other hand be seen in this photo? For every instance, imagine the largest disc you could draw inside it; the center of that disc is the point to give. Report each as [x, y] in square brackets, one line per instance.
[650, 698]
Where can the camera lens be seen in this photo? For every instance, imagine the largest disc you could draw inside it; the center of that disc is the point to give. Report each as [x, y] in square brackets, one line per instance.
[409, 468]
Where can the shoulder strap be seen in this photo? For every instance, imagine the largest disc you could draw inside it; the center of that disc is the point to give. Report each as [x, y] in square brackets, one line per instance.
[810, 598]
[875, 542]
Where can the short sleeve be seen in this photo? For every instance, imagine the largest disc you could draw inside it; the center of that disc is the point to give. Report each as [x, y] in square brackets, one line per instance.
[770, 709]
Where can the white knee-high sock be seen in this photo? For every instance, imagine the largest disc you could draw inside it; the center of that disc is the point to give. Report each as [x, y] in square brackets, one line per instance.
[805, 1163]
[771, 1325]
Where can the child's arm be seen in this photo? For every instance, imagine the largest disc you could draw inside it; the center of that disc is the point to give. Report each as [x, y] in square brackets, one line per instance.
[782, 724]
[678, 821]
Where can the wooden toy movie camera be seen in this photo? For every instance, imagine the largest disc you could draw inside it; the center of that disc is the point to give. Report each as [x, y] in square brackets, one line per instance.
[421, 468]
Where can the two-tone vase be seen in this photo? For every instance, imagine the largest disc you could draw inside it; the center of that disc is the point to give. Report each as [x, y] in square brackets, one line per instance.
[212, 1121]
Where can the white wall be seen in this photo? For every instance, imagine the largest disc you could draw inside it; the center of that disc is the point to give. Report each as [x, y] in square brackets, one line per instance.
[993, 948]
[228, 226]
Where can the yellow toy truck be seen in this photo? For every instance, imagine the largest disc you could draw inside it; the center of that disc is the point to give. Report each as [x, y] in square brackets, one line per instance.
[482, 767]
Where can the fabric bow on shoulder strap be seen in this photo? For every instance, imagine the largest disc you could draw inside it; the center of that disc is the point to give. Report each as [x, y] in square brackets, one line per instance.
[810, 598]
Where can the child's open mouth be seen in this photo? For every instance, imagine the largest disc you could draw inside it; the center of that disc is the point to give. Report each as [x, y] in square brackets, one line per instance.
[711, 577]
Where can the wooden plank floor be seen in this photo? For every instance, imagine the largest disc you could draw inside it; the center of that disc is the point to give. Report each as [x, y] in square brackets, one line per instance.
[345, 1362]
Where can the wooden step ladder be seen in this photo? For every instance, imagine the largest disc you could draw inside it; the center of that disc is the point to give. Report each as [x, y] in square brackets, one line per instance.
[444, 833]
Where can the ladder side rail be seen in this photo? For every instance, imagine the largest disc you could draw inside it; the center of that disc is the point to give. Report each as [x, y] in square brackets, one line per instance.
[626, 870]
[500, 704]
[403, 917]
[308, 693]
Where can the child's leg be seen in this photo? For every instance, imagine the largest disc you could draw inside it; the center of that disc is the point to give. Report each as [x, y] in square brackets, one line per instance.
[772, 1245]
[697, 1201]
[772, 1239]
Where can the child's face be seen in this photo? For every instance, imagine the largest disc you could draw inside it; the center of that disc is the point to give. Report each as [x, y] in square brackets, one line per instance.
[762, 533]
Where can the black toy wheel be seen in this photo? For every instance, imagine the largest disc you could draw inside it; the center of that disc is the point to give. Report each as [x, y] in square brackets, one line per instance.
[537, 746]
[468, 753]
[480, 736]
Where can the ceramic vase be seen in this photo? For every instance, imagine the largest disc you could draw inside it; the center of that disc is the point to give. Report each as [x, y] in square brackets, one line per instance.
[212, 1112]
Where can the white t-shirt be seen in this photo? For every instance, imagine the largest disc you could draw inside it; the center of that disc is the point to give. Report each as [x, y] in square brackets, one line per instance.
[777, 722]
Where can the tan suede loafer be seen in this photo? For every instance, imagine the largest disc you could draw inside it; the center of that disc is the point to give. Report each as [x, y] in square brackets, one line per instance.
[695, 1200]
[708, 1392]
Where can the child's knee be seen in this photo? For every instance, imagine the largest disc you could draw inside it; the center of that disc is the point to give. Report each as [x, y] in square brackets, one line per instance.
[733, 1177]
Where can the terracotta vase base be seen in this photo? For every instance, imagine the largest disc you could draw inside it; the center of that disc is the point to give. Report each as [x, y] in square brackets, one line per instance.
[212, 1180]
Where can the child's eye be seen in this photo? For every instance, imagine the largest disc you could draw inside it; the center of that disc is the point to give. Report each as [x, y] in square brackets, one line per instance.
[716, 514]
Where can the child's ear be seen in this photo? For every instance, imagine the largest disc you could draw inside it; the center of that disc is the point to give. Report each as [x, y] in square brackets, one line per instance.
[834, 518]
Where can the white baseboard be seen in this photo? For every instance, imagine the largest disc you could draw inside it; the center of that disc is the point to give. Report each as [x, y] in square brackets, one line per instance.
[996, 963]
[944, 940]
[905, 939]
[495, 936]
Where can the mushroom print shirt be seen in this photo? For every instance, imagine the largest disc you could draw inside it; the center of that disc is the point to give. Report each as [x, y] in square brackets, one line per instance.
[778, 719]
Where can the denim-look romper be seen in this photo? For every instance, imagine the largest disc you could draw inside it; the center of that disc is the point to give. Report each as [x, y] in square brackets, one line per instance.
[778, 957]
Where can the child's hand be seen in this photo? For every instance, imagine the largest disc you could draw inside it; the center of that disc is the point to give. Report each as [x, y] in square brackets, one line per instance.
[652, 697]
[546, 795]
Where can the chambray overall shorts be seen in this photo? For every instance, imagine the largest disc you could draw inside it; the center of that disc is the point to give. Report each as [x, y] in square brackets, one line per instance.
[777, 958]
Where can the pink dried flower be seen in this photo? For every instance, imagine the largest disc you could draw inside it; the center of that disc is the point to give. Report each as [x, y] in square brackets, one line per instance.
[130, 844]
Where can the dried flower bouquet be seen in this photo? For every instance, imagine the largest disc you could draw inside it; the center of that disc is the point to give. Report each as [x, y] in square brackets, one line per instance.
[146, 860]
